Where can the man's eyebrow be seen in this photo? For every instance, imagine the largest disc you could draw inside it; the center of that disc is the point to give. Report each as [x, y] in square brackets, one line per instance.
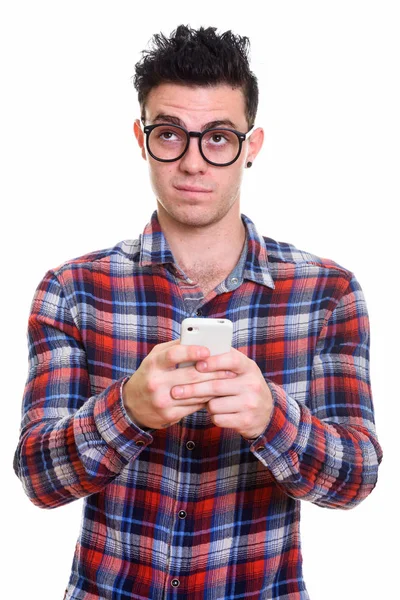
[220, 123]
[163, 118]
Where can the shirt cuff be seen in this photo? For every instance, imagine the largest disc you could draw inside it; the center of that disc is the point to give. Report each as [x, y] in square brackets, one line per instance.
[285, 438]
[115, 426]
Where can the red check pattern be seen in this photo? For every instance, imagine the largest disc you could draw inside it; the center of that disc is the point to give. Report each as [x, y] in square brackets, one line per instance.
[194, 510]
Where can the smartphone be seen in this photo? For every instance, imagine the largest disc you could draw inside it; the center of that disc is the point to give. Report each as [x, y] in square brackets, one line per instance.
[215, 334]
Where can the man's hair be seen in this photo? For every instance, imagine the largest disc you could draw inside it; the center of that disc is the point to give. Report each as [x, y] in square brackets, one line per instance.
[198, 57]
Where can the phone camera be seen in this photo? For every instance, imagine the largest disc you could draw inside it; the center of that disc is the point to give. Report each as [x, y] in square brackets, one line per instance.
[190, 328]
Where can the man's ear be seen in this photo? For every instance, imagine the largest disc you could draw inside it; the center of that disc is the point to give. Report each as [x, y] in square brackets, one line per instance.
[255, 144]
[139, 135]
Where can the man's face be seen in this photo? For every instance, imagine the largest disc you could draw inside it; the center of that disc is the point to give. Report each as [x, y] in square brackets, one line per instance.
[190, 191]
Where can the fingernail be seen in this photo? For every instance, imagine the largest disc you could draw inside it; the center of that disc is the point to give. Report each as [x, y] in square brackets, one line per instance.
[178, 391]
[202, 365]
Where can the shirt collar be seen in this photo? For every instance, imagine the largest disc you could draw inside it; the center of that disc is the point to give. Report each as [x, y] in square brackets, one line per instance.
[154, 250]
[256, 267]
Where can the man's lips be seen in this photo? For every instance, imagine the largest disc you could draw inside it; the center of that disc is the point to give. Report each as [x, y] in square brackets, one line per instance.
[192, 188]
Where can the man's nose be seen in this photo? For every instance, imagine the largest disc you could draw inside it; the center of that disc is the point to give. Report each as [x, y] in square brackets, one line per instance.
[192, 161]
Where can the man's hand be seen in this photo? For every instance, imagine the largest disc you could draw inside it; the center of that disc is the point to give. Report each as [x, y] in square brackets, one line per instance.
[243, 403]
[147, 394]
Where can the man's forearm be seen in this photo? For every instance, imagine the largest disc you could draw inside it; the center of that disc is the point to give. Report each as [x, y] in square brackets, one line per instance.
[330, 464]
[60, 460]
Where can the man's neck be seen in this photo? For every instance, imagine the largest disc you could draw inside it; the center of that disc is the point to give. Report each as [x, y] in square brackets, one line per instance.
[215, 247]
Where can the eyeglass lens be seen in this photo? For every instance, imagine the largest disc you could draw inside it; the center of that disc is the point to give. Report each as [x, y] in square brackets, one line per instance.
[218, 146]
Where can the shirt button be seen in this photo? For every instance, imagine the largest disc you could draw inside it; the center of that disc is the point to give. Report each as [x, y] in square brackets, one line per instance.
[190, 445]
[175, 582]
[260, 449]
[139, 443]
[234, 280]
[182, 514]
[199, 312]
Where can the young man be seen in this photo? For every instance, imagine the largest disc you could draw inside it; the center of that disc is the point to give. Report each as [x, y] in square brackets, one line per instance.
[192, 477]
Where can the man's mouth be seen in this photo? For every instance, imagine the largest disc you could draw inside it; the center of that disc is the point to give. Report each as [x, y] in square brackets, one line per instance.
[192, 188]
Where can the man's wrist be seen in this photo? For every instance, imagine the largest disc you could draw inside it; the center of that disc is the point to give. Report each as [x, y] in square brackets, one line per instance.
[128, 410]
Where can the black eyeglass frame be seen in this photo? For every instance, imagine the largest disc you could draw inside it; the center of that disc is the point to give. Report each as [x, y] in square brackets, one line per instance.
[147, 129]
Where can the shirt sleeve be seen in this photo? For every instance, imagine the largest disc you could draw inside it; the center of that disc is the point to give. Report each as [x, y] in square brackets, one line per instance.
[326, 450]
[72, 443]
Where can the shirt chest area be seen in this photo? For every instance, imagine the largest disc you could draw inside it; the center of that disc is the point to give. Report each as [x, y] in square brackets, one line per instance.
[277, 328]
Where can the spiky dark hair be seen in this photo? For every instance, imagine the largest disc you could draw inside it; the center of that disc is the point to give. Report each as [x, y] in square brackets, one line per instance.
[198, 57]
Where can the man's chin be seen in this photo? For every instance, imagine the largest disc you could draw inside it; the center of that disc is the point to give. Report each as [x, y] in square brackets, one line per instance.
[191, 215]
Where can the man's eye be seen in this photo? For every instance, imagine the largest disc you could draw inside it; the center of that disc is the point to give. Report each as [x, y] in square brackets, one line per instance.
[218, 137]
[167, 135]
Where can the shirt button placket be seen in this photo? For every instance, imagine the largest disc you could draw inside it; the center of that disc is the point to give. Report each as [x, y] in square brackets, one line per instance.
[182, 514]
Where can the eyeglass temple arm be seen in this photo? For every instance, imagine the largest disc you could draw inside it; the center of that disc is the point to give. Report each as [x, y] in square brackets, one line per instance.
[249, 132]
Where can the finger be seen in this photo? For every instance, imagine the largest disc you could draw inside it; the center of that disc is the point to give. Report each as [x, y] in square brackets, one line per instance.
[229, 361]
[203, 401]
[225, 405]
[190, 375]
[178, 353]
[213, 387]
[180, 412]
[228, 420]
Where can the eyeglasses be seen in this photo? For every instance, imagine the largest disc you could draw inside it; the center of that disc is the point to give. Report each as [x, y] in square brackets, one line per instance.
[218, 146]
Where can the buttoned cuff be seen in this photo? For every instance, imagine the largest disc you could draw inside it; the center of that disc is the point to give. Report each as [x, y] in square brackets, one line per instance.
[285, 438]
[115, 426]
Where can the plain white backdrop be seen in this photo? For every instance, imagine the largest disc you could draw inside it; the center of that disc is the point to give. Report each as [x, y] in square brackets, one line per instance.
[327, 180]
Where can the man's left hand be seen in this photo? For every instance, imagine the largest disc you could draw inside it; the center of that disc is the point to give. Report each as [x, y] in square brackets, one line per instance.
[243, 403]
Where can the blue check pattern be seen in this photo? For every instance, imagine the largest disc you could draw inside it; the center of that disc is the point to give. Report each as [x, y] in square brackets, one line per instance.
[195, 511]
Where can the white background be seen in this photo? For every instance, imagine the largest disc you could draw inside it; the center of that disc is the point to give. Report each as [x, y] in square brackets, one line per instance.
[326, 180]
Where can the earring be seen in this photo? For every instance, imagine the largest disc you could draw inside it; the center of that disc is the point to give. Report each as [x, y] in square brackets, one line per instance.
[249, 164]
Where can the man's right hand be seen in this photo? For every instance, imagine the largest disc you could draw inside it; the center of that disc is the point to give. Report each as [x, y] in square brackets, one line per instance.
[147, 394]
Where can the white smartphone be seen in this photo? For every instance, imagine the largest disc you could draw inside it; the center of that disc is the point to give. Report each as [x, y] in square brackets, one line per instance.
[215, 334]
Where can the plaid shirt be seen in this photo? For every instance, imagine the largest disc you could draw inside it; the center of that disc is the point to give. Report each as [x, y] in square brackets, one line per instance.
[195, 511]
